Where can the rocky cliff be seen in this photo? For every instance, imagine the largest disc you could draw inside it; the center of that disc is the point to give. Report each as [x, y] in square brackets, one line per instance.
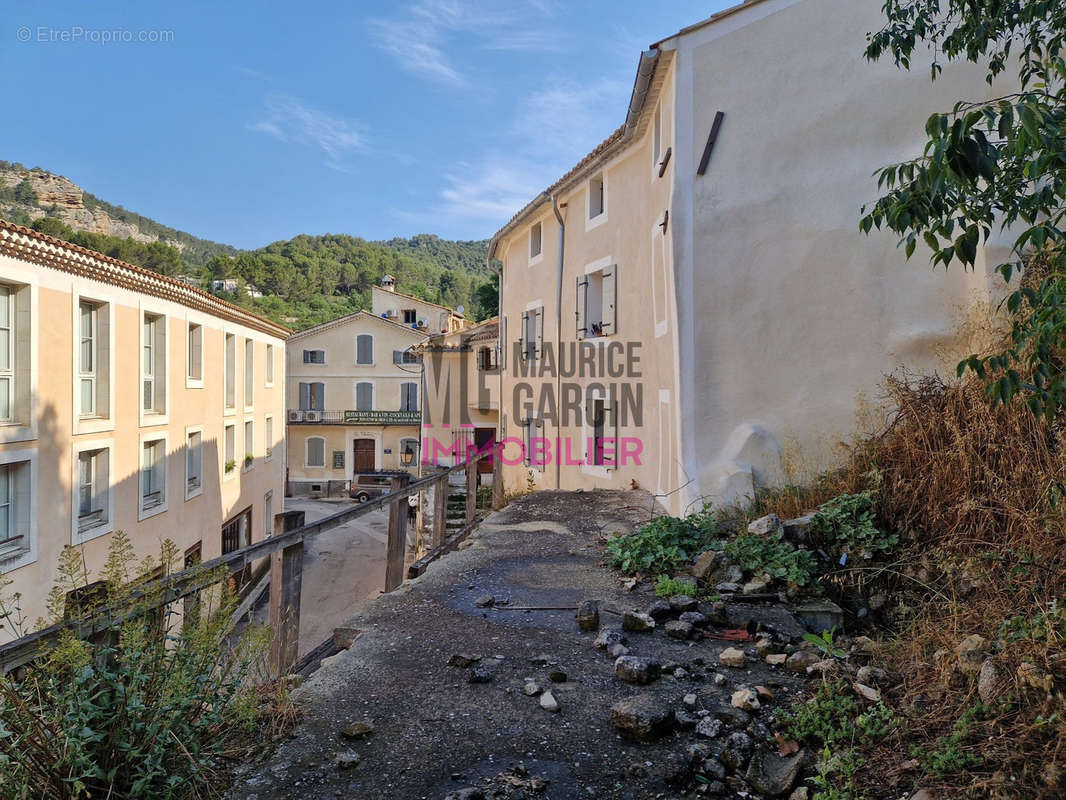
[61, 198]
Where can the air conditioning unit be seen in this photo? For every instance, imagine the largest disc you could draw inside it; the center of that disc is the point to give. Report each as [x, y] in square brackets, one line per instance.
[296, 416]
[392, 312]
[312, 416]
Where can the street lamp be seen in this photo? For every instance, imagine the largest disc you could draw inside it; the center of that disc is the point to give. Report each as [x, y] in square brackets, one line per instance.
[407, 457]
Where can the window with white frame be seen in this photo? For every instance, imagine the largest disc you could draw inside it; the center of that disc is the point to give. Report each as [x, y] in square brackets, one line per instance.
[249, 443]
[597, 196]
[15, 511]
[229, 448]
[94, 360]
[408, 396]
[313, 396]
[316, 452]
[270, 365]
[596, 299]
[195, 352]
[268, 432]
[410, 316]
[364, 396]
[153, 474]
[93, 488]
[8, 338]
[532, 334]
[230, 376]
[154, 364]
[535, 243]
[249, 372]
[364, 349]
[314, 356]
[194, 463]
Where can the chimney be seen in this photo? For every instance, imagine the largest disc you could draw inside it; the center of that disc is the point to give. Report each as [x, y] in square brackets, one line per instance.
[388, 283]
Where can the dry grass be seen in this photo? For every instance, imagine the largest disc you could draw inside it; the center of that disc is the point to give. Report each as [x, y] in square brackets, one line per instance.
[976, 494]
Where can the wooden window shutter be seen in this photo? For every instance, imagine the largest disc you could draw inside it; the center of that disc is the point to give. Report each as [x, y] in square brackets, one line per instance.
[582, 305]
[610, 299]
[502, 338]
[364, 397]
[522, 335]
[540, 332]
[397, 356]
[610, 460]
[305, 396]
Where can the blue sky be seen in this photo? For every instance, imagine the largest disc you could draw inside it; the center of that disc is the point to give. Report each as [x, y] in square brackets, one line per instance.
[257, 121]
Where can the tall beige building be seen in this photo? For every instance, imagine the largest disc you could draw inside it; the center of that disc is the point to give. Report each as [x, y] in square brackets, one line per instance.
[355, 393]
[706, 259]
[128, 402]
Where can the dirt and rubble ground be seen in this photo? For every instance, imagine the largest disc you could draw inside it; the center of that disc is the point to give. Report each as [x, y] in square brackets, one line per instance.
[437, 733]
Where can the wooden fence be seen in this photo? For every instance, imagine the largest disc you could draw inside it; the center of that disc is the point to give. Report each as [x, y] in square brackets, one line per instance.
[285, 550]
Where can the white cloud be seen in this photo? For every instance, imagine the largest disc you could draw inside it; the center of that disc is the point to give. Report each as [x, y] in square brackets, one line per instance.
[419, 36]
[289, 120]
[492, 190]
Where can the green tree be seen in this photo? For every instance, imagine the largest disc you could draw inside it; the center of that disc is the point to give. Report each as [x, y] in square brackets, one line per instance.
[25, 194]
[488, 296]
[996, 164]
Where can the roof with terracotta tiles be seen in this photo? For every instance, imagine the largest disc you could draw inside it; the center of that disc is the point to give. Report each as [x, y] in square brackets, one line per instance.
[26, 244]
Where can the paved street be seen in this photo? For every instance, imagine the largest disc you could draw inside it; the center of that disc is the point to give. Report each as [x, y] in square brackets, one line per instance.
[342, 568]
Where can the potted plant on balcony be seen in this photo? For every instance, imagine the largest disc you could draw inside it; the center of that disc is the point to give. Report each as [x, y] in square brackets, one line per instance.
[231, 465]
[248, 460]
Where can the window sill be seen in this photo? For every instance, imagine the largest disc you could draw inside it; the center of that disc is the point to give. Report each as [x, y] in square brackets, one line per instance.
[93, 425]
[193, 491]
[534, 260]
[596, 221]
[90, 532]
[596, 470]
[16, 559]
[228, 476]
[151, 511]
[17, 432]
[194, 383]
[371, 364]
[153, 419]
[229, 411]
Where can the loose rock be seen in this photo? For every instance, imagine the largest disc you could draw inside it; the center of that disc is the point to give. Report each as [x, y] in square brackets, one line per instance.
[482, 673]
[776, 659]
[557, 676]
[660, 610]
[616, 650]
[346, 759]
[971, 653]
[745, 699]
[694, 618]
[872, 676]
[609, 637]
[732, 657]
[801, 660]
[682, 603]
[709, 727]
[770, 774]
[463, 660]
[676, 629]
[764, 525]
[588, 615]
[642, 717]
[636, 670]
[531, 688]
[358, 730]
[485, 601]
[548, 702]
[737, 751]
[637, 622]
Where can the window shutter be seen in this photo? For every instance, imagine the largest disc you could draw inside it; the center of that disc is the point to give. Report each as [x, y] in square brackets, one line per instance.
[364, 396]
[364, 349]
[502, 339]
[540, 332]
[610, 460]
[305, 396]
[522, 335]
[582, 305]
[610, 297]
[397, 356]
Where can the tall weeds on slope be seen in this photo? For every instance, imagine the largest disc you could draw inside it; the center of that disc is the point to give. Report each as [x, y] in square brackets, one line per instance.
[155, 710]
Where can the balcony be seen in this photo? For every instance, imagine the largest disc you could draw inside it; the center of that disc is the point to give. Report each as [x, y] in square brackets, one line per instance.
[302, 417]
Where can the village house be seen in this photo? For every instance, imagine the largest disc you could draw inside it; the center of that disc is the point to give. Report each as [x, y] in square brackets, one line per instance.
[354, 394]
[129, 402]
[713, 240]
[462, 380]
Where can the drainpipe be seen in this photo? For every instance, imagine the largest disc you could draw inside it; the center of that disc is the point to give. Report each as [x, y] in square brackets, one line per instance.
[558, 334]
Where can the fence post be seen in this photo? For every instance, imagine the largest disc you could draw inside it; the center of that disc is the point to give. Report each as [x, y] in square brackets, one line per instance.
[397, 545]
[471, 490]
[440, 510]
[286, 578]
[497, 477]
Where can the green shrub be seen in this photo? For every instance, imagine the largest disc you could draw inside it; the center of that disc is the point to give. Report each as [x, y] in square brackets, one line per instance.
[152, 713]
[662, 545]
[668, 587]
[847, 523]
[948, 755]
[772, 555]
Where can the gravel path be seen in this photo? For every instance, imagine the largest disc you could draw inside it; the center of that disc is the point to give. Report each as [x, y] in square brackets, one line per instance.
[437, 733]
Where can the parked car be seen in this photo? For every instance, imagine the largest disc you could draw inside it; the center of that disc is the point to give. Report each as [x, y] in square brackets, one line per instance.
[365, 487]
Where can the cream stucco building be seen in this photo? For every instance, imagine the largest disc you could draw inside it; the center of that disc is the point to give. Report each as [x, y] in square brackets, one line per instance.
[708, 253]
[128, 402]
[355, 392]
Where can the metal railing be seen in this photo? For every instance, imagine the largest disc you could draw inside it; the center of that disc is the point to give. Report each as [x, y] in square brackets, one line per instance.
[285, 550]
